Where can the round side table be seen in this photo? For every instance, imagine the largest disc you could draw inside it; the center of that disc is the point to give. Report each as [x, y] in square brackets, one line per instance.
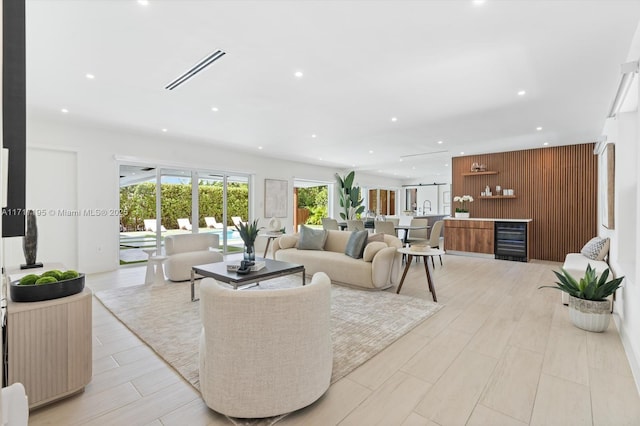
[424, 254]
[148, 278]
[158, 262]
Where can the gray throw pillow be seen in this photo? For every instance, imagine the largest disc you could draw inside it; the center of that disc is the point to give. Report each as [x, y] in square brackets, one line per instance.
[356, 243]
[312, 239]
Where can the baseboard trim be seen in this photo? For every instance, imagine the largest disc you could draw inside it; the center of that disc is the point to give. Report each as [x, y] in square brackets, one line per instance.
[628, 349]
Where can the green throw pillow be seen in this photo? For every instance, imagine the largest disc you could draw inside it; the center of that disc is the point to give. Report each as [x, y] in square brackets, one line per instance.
[311, 239]
[356, 243]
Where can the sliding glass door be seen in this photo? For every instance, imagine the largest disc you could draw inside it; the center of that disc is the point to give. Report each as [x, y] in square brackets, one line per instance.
[164, 201]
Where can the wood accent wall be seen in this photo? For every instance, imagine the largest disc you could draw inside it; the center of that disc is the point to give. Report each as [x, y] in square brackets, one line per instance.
[557, 187]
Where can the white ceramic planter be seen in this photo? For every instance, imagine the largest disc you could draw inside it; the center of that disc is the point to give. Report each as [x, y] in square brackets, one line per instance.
[589, 315]
[463, 215]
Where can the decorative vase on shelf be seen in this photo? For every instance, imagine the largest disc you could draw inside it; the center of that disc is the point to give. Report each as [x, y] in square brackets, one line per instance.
[462, 214]
[249, 253]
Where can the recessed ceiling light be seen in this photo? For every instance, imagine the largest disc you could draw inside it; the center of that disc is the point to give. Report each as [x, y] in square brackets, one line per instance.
[90, 76]
[353, 165]
[370, 152]
[165, 130]
[298, 74]
[64, 110]
[314, 135]
[478, 2]
[394, 119]
[440, 142]
[538, 128]
[214, 109]
[401, 160]
[461, 152]
[143, 2]
[259, 147]
[320, 158]
[446, 165]
[522, 93]
[546, 143]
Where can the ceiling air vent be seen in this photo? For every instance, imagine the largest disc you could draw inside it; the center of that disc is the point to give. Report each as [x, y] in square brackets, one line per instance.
[205, 62]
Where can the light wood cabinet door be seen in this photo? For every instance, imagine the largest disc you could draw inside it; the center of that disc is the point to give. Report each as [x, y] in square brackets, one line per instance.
[470, 236]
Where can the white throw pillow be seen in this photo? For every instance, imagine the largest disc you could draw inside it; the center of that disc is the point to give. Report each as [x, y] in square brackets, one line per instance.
[371, 249]
[287, 241]
[596, 249]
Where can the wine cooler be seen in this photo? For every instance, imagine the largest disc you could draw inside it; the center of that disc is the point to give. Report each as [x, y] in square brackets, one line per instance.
[511, 241]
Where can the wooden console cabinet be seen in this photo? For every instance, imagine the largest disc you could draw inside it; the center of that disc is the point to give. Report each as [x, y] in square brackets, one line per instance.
[474, 236]
[49, 346]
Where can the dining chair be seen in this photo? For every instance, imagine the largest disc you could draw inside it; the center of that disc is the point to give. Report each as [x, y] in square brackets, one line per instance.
[418, 235]
[384, 227]
[394, 220]
[434, 239]
[329, 224]
[355, 225]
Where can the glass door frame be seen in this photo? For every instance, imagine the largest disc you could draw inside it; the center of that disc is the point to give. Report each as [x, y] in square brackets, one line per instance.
[195, 173]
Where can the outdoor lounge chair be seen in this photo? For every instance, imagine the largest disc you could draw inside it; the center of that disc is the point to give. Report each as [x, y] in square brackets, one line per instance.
[237, 220]
[212, 223]
[184, 224]
[150, 225]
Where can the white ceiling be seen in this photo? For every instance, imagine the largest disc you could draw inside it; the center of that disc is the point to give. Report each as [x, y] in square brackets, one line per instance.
[448, 70]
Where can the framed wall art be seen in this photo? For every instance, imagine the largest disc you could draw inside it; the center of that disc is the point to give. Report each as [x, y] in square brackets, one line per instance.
[275, 198]
[607, 188]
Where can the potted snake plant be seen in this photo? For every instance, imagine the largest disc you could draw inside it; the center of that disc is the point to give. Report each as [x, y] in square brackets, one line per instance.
[589, 308]
[248, 232]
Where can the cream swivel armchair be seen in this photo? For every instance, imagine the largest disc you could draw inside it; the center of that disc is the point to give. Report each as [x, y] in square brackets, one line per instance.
[265, 352]
[187, 250]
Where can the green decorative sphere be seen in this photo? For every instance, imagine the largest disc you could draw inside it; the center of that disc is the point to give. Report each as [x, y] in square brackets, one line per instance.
[67, 275]
[46, 280]
[29, 279]
[53, 273]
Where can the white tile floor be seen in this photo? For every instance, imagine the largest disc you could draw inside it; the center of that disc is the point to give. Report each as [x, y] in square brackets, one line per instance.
[501, 352]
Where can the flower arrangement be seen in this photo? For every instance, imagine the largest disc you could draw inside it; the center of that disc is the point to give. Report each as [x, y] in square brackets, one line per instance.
[463, 200]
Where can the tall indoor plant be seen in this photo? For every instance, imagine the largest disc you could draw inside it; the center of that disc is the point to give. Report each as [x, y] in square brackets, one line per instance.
[248, 232]
[589, 308]
[350, 200]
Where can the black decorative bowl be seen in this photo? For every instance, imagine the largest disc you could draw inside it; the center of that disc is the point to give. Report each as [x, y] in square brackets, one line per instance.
[38, 293]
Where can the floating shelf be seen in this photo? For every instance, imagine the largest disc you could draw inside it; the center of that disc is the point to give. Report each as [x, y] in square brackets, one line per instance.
[498, 196]
[487, 172]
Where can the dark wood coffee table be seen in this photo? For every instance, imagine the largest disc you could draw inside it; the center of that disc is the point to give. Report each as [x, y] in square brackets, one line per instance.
[218, 271]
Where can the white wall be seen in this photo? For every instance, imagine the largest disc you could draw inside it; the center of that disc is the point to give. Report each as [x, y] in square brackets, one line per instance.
[54, 208]
[96, 149]
[625, 237]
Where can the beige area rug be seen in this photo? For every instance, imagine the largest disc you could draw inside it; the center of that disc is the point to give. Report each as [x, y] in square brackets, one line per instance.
[363, 322]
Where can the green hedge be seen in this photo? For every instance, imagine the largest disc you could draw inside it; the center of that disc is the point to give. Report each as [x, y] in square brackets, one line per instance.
[138, 202]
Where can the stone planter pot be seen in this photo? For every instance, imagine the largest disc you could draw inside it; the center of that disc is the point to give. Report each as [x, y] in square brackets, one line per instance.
[463, 215]
[590, 315]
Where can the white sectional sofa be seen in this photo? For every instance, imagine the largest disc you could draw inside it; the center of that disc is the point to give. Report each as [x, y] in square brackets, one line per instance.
[378, 269]
[576, 263]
